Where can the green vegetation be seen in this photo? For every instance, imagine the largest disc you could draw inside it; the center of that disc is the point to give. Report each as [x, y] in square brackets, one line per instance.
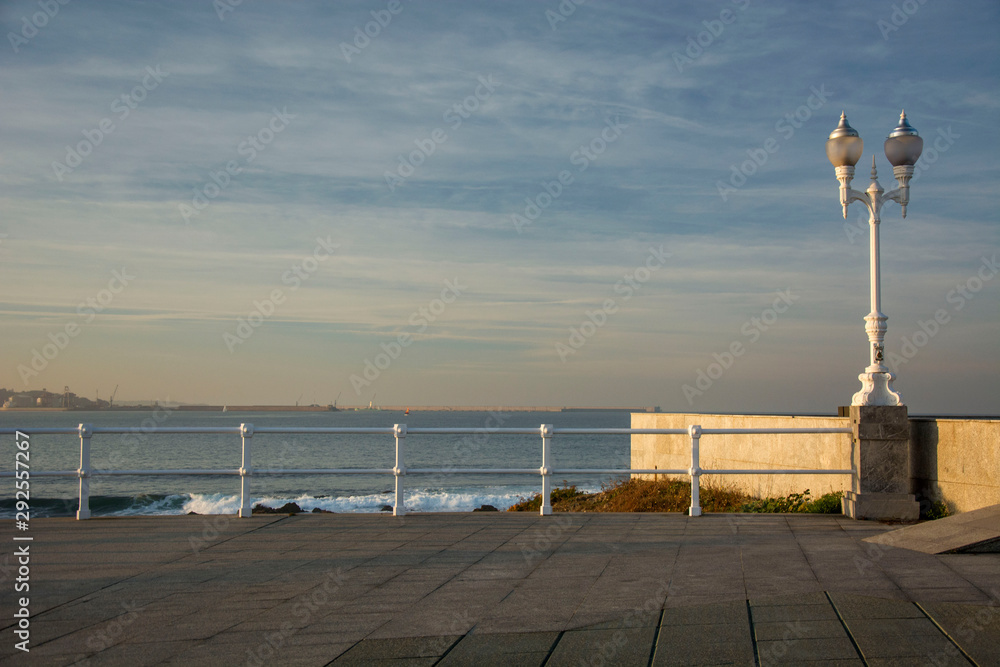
[828, 503]
[935, 510]
[639, 495]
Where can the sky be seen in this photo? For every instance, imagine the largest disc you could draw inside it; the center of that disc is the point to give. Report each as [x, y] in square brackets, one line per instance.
[494, 203]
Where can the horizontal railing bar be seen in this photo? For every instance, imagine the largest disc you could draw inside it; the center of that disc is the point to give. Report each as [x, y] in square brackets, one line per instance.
[428, 471]
[45, 473]
[417, 430]
[62, 430]
[619, 431]
[769, 431]
[430, 430]
[616, 471]
[230, 430]
[377, 430]
[74, 430]
[472, 471]
[152, 473]
[323, 471]
[776, 472]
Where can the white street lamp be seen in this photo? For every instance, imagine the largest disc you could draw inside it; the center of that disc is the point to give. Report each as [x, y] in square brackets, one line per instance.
[902, 148]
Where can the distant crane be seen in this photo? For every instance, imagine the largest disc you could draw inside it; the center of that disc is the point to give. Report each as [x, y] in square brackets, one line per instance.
[298, 399]
[111, 401]
[335, 401]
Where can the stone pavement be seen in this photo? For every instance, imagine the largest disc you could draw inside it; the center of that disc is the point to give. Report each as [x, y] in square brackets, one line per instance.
[496, 589]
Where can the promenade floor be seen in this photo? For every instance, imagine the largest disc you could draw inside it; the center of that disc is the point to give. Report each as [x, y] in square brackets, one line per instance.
[495, 589]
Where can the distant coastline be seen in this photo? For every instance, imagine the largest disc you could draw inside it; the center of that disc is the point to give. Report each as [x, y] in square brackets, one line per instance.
[344, 408]
[499, 408]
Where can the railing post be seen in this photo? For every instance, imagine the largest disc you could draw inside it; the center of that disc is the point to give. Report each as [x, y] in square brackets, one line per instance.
[246, 471]
[546, 470]
[695, 470]
[83, 512]
[399, 509]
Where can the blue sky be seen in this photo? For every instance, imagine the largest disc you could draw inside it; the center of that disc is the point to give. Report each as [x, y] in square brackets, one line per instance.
[482, 203]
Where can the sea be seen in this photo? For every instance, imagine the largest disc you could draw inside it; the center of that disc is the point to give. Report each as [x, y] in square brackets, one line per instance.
[141, 449]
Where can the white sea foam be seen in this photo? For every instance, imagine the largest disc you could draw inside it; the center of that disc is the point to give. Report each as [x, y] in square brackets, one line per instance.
[417, 500]
[215, 503]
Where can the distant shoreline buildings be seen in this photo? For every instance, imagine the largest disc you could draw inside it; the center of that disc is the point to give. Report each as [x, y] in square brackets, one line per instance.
[43, 398]
[67, 400]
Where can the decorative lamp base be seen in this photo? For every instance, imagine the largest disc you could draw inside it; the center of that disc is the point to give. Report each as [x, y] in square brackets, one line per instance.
[876, 389]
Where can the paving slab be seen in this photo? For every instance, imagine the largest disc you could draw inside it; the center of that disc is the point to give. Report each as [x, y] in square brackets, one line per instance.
[622, 646]
[519, 648]
[456, 589]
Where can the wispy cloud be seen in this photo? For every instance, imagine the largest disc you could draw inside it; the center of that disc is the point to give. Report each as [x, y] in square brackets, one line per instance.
[324, 176]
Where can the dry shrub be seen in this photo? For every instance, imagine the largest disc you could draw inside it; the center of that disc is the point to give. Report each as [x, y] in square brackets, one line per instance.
[642, 495]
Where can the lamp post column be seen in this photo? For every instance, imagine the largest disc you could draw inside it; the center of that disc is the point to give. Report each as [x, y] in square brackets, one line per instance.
[876, 380]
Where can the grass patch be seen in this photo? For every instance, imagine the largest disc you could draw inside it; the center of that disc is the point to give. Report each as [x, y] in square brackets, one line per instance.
[641, 495]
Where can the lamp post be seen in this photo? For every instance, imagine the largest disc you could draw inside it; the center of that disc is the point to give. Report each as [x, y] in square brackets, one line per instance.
[902, 148]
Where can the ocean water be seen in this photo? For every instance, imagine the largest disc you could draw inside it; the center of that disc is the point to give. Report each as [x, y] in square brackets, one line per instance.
[219, 494]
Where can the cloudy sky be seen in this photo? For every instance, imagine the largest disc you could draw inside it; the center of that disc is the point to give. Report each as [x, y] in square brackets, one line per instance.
[509, 203]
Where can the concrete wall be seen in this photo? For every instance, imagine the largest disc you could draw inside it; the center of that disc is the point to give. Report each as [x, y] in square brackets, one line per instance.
[953, 460]
[956, 461]
[810, 451]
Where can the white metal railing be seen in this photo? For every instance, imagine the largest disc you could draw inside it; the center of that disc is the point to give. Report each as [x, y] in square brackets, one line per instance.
[399, 470]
